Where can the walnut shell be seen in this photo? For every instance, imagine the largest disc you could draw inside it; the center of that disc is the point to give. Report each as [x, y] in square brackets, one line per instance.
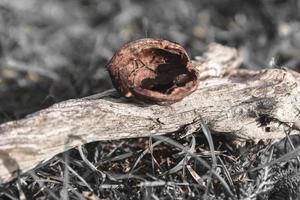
[153, 69]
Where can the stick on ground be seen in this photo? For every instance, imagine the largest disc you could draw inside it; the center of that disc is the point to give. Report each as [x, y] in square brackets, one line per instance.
[240, 103]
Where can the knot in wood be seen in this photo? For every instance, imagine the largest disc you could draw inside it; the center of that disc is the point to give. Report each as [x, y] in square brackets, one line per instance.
[153, 70]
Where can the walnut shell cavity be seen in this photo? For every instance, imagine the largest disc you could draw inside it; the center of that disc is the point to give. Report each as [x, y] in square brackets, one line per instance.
[153, 70]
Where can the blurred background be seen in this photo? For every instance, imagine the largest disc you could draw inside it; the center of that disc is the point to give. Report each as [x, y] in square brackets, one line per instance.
[56, 50]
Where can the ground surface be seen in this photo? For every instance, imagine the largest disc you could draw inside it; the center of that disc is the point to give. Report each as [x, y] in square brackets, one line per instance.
[55, 50]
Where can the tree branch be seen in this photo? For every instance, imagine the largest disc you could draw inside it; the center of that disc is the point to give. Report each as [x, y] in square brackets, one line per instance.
[239, 103]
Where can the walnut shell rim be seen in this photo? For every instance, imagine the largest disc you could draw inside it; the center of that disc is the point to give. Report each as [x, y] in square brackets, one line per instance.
[153, 70]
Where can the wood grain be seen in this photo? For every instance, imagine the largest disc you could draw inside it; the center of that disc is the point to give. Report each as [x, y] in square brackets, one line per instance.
[240, 103]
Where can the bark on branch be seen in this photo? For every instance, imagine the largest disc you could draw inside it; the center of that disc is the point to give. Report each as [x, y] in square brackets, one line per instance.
[237, 102]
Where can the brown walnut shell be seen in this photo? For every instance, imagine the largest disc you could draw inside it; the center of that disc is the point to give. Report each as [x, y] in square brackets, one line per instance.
[153, 69]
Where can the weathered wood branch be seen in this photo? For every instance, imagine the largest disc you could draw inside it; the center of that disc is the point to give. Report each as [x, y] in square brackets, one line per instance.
[237, 102]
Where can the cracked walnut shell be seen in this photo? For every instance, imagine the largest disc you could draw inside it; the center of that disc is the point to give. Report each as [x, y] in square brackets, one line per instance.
[153, 70]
